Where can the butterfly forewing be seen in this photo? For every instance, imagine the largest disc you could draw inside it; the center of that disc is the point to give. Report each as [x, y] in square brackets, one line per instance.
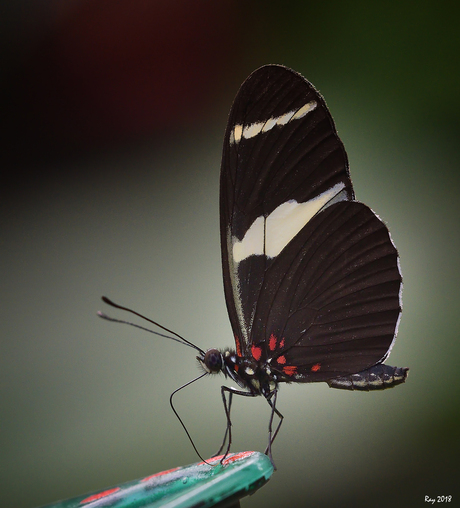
[280, 145]
[311, 277]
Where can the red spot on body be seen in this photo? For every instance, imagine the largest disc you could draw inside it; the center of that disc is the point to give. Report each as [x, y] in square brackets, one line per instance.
[272, 342]
[95, 497]
[236, 367]
[281, 360]
[282, 344]
[161, 473]
[316, 367]
[290, 370]
[238, 346]
[256, 352]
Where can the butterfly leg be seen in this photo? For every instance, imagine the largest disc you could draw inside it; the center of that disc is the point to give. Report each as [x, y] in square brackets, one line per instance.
[227, 408]
[271, 436]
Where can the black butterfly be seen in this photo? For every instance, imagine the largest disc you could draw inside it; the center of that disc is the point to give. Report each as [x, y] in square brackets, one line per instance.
[311, 276]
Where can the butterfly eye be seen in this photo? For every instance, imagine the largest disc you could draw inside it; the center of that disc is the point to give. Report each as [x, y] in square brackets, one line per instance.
[212, 361]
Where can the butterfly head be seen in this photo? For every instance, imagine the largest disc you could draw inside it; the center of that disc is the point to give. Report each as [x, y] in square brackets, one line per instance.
[211, 361]
[227, 361]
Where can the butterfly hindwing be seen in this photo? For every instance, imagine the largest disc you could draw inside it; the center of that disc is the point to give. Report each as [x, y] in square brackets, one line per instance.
[329, 303]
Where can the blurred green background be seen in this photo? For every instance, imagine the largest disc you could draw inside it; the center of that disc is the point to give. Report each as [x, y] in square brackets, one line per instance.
[115, 113]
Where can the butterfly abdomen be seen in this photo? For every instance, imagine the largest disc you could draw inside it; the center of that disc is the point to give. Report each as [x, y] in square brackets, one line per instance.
[378, 377]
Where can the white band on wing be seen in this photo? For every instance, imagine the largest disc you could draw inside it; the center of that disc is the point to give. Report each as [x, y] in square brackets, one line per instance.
[249, 131]
[269, 236]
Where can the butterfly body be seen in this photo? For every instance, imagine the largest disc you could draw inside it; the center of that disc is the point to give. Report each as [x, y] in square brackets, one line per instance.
[255, 376]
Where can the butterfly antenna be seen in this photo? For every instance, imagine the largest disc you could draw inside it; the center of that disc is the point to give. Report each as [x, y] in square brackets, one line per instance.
[179, 418]
[177, 338]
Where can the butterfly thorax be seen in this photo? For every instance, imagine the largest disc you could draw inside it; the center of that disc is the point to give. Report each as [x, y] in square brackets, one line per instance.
[252, 375]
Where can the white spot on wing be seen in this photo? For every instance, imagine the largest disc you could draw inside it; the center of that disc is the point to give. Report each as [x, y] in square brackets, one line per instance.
[269, 236]
[252, 243]
[252, 130]
[269, 124]
[239, 131]
[284, 119]
[310, 106]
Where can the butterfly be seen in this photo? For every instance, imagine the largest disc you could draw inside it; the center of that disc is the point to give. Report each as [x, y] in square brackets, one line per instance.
[311, 276]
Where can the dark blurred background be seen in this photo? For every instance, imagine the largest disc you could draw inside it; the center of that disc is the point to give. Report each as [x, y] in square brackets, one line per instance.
[114, 114]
